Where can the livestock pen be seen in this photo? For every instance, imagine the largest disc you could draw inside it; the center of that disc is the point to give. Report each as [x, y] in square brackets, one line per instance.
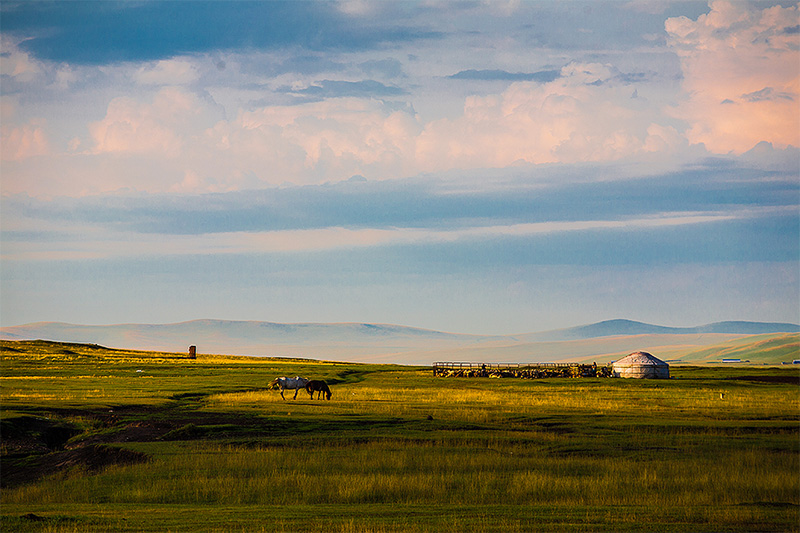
[520, 370]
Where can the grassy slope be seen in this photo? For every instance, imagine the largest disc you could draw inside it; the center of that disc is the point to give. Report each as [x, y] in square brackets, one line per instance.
[770, 349]
[395, 450]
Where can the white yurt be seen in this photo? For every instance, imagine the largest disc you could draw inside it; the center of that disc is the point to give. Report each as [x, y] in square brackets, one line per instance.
[640, 365]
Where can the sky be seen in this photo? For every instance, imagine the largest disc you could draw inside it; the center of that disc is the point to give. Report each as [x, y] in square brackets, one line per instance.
[485, 167]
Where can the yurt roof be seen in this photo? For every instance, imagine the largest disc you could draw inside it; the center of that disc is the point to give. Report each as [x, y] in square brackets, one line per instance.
[641, 358]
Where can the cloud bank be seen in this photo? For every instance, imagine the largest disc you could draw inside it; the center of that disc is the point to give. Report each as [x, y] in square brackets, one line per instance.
[466, 166]
[740, 73]
[738, 87]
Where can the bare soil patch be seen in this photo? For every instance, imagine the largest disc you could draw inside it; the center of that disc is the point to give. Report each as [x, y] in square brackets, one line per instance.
[92, 458]
[37, 446]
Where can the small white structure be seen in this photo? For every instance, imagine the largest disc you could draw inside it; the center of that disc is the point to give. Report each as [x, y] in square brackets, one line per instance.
[640, 365]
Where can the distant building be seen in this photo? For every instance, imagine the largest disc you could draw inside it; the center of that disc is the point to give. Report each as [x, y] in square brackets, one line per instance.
[731, 360]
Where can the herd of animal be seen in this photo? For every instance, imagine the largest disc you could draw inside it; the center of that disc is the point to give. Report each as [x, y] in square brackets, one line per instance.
[310, 385]
[526, 371]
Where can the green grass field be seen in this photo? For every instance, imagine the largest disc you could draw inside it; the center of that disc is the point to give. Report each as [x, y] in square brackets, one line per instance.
[112, 440]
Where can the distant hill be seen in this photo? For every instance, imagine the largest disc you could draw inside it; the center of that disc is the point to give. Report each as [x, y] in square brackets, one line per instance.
[360, 342]
[348, 341]
[609, 328]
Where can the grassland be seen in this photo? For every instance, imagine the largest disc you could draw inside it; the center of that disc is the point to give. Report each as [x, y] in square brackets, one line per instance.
[111, 440]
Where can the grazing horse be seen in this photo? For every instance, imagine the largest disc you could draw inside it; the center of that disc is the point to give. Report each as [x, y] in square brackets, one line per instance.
[295, 383]
[320, 387]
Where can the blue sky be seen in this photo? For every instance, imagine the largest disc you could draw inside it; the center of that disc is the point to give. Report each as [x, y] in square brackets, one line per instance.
[477, 167]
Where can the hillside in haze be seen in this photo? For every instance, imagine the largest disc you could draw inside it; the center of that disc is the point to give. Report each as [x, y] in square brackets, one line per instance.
[359, 342]
[630, 327]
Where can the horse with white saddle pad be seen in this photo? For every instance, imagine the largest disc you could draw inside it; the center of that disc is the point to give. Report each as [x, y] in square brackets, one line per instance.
[295, 383]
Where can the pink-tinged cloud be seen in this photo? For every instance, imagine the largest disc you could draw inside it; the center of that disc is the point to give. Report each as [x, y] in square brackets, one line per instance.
[318, 141]
[741, 70]
[134, 127]
[22, 142]
[585, 115]
[740, 87]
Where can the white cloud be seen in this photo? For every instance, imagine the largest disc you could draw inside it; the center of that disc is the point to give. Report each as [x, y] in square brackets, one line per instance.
[95, 242]
[741, 70]
[17, 64]
[167, 72]
[65, 77]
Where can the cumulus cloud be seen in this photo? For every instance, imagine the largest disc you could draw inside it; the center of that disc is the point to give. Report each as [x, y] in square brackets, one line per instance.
[21, 142]
[587, 114]
[741, 75]
[319, 141]
[131, 126]
[740, 81]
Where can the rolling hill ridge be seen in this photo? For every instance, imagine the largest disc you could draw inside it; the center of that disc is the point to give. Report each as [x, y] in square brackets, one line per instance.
[363, 342]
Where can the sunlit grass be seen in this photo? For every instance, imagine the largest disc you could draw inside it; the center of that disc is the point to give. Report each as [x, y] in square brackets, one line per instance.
[399, 450]
[478, 404]
[436, 472]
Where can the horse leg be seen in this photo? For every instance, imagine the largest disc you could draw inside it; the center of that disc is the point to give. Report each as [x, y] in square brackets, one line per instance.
[295, 393]
[282, 396]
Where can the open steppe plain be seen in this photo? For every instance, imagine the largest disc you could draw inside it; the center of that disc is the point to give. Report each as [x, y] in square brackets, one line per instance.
[95, 439]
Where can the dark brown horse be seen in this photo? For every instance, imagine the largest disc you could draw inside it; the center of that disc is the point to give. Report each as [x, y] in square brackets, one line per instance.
[320, 387]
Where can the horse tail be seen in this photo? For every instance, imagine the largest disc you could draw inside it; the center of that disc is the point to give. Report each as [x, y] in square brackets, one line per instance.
[274, 383]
